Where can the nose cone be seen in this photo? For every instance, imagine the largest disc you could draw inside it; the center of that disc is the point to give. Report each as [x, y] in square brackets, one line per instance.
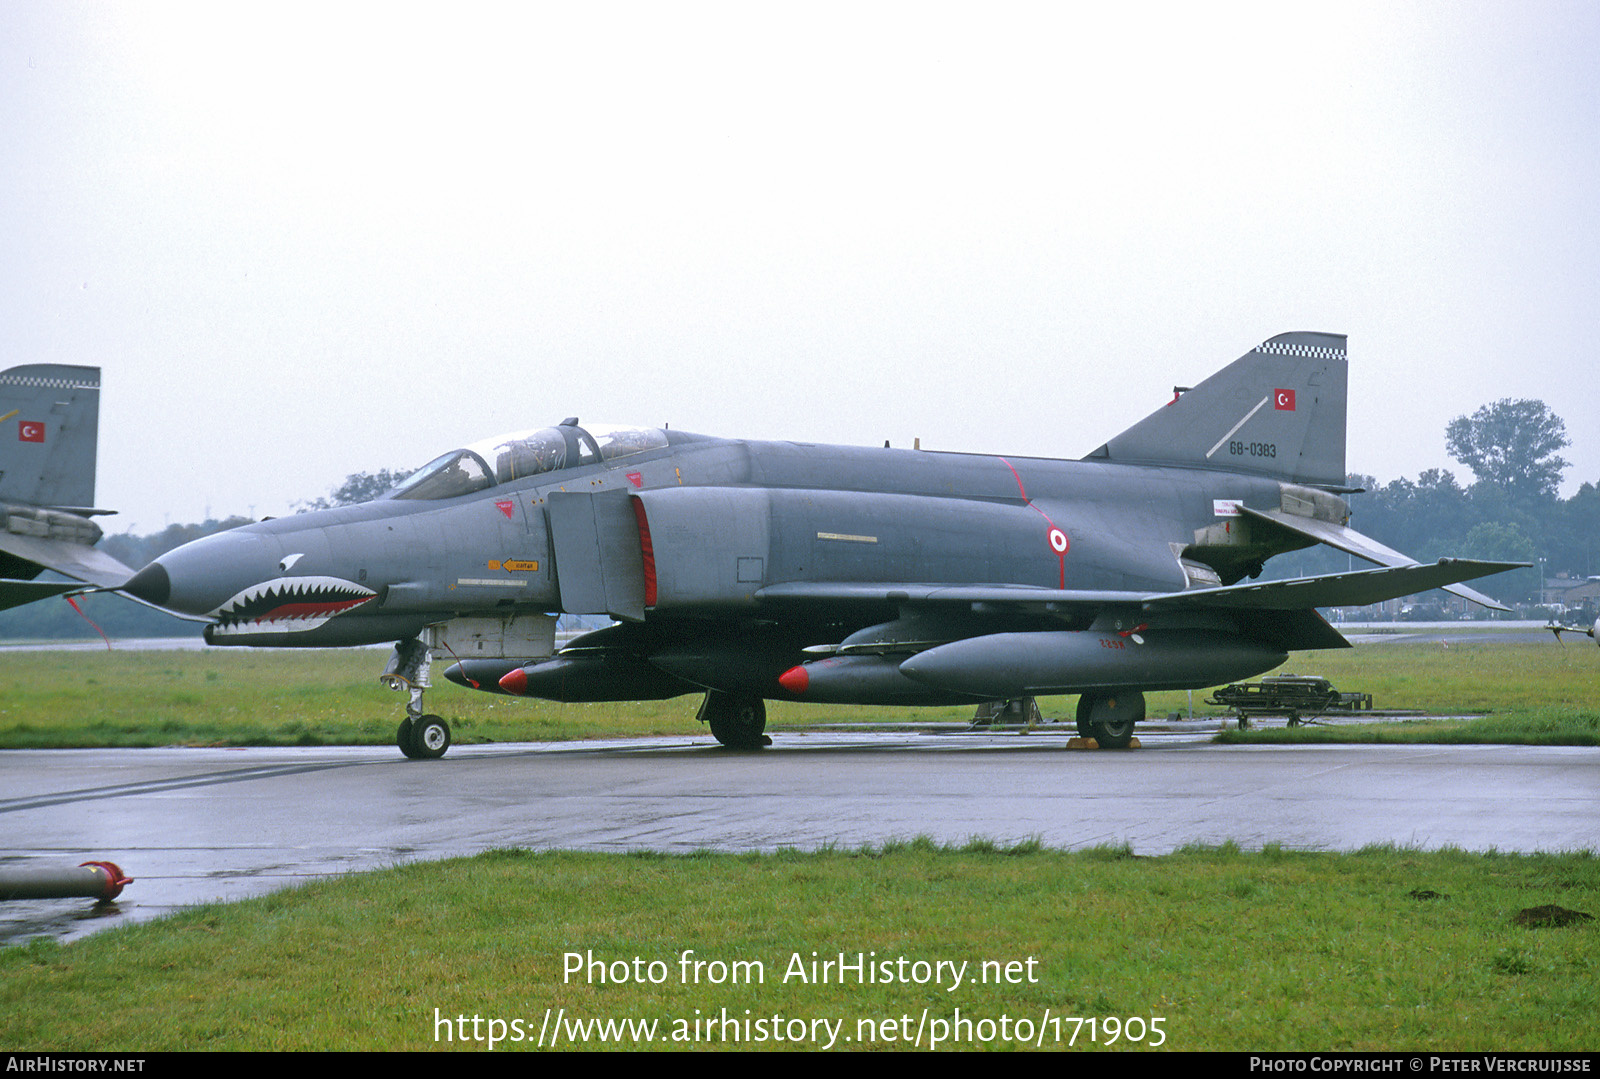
[150, 584]
[199, 577]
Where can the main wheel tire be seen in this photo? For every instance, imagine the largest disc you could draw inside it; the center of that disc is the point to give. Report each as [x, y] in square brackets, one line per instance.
[737, 722]
[1110, 719]
[430, 737]
[403, 738]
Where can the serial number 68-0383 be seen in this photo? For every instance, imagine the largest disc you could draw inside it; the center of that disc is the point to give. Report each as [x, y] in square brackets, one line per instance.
[1253, 449]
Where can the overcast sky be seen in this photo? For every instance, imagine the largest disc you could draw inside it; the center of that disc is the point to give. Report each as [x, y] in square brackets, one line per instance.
[303, 240]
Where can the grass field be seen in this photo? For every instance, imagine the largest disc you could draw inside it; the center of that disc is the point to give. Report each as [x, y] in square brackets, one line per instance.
[1201, 949]
[240, 697]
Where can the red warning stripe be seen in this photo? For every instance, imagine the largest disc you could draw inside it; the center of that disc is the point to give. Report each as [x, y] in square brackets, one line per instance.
[1059, 543]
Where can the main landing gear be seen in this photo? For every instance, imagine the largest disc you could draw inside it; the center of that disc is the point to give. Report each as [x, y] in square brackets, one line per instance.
[738, 722]
[1109, 718]
[420, 737]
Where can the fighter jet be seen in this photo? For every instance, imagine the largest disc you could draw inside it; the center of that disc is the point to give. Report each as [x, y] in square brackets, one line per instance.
[47, 482]
[753, 571]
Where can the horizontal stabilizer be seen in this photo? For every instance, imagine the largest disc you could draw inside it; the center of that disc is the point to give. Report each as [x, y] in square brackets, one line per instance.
[1336, 589]
[1348, 540]
[18, 593]
[68, 559]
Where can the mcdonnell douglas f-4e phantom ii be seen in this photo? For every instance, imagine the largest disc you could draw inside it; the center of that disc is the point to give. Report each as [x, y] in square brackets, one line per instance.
[753, 571]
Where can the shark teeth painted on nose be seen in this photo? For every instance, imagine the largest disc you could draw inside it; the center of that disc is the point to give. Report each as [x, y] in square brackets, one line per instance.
[290, 604]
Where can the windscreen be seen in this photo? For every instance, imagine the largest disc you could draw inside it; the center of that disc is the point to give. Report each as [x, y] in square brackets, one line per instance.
[459, 472]
[525, 454]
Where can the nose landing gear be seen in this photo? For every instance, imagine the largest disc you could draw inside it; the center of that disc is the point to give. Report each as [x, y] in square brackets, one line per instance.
[421, 736]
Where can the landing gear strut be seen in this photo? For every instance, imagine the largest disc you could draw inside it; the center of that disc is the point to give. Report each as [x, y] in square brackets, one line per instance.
[420, 736]
[1109, 719]
[737, 722]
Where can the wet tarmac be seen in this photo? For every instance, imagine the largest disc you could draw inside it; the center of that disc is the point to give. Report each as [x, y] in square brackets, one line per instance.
[194, 825]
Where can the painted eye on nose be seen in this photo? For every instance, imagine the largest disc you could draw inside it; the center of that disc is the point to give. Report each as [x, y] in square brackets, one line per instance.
[289, 561]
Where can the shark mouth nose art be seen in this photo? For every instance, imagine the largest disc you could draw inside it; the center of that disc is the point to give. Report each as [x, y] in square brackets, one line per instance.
[290, 604]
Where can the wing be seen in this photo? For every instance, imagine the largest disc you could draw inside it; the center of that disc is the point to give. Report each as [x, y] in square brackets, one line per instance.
[18, 593]
[1279, 614]
[1356, 588]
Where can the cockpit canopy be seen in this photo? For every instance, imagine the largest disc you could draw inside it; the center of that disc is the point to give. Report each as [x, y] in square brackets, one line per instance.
[525, 454]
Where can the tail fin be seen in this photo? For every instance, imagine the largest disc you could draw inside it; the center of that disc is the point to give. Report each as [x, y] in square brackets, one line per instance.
[1277, 411]
[49, 427]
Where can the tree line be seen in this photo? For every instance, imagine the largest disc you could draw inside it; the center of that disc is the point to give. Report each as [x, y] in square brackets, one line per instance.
[1509, 510]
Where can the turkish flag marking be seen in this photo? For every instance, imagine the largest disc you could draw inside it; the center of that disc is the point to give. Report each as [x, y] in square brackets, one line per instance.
[30, 431]
[1283, 400]
[506, 507]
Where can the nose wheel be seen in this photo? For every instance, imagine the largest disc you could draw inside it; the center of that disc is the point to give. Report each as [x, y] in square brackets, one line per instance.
[421, 736]
[424, 738]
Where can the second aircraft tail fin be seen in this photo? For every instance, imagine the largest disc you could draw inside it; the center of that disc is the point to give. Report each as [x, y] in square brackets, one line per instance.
[49, 428]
